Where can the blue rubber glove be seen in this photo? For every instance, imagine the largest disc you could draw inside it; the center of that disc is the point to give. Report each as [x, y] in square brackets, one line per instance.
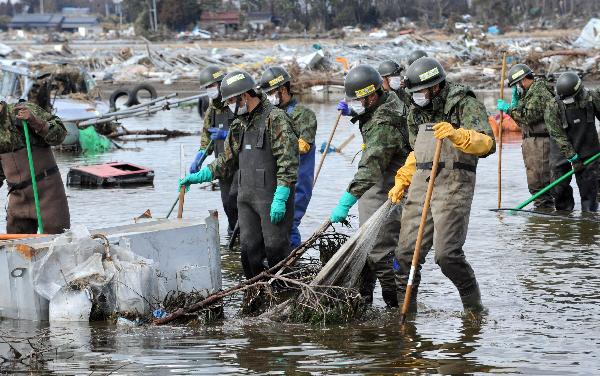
[323, 145]
[202, 176]
[278, 204]
[194, 166]
[217, 134]
[514, 101]
[343, 107]
[503, 106]
[340, 212]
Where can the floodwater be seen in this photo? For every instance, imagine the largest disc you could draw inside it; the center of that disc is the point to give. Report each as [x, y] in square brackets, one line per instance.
[539, 276]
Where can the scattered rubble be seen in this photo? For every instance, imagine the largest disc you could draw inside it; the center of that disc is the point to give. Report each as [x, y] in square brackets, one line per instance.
[472, 55]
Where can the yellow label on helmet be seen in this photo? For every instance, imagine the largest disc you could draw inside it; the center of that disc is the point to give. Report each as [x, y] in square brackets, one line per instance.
[365, 91]
[578, 84]
[517, 74]
[237, 77]
[218, 74]
[430, 73]
[275, 81]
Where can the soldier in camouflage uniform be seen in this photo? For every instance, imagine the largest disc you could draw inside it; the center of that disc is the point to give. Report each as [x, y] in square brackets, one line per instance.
[385, 136]
[265, 157]
[448, 111]
[571, 124]
[276, 82]
[44, 130]
[391, 71]
[216, 126]
[530, 98]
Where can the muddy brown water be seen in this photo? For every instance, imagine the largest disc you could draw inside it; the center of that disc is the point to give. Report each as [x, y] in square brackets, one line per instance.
[539, 277]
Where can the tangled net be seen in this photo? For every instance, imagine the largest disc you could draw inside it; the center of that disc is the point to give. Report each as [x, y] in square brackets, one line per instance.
[305, 289]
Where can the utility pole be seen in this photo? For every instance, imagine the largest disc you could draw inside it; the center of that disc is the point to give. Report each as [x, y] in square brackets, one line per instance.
[155, 16]
[42, 6]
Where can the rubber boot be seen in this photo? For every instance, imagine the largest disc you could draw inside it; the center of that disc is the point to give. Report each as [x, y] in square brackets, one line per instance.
[472, 301]
[390, 298]
[367, 285]
[589, 206]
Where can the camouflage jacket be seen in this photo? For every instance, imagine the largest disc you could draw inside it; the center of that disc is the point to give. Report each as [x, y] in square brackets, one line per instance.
[552, 117]
[405, 99]
[530, 110]
[213, 108]
[12, 137]
[384, 132]
[455, 104]
[304, 120]
[284, 144]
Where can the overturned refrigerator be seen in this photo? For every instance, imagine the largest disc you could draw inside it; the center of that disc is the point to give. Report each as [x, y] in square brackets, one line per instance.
[123, 270]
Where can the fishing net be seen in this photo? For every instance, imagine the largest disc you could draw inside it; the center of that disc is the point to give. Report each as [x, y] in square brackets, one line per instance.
[332, 294]
[300, 288]
[93, 143]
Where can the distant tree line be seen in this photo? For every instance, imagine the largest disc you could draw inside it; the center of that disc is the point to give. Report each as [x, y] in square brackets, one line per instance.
[328, 14]
[322, 15]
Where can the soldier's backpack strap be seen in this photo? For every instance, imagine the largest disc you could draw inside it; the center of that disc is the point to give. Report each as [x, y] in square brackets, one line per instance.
[264, 122]
[591, 118]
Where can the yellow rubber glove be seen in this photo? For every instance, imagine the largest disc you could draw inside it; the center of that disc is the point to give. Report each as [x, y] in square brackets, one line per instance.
[467, 141]
[403, 178]
[303, 146]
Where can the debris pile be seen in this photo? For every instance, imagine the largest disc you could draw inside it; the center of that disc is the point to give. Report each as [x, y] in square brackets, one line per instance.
[84, 277]
[472, 56]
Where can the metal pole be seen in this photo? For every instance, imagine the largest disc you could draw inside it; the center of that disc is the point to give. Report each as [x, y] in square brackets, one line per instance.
[42, 6]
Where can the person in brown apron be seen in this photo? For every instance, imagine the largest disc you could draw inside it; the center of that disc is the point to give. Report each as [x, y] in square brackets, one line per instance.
[45, 130]
[448, 111]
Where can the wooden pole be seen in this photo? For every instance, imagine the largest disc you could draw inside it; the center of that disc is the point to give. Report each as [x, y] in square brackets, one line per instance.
[182, 190]
[502, 77]
[337, 121]
[345, 143]
[417, 253]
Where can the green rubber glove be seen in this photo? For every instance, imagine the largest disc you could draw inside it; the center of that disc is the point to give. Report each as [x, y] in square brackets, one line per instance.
[340, 212]
[202, 176]
[278, 204]
[503, 106]
[514, 101]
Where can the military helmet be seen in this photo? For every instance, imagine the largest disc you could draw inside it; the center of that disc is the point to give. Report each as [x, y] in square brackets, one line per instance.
[389, 68]
[517, 72]
[274, 77]
[361, 81]
[236, 83]
[568, 85]
[210, 75]
[425, 72]
[415, 55]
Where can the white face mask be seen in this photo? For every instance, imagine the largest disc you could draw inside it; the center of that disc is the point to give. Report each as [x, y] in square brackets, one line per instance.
[395, 82]
[274, 99]
[569, 100]
[520, 90]
[212, 92]
[240, 111]
[420, 99]
[357, 107]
